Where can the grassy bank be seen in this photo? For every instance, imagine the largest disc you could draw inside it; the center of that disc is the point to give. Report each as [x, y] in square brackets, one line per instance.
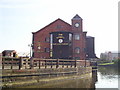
[114, 63]
[104, 64]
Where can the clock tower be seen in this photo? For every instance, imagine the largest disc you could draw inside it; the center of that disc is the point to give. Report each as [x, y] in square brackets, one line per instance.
[78, 38]
[77, 23]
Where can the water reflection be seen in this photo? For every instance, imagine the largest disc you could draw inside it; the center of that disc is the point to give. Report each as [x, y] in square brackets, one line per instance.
[107, 77]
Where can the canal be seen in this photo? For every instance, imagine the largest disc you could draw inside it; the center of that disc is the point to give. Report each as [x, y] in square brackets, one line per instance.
[105, 78]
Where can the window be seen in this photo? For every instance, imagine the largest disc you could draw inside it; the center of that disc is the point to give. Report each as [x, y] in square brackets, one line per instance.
[47, 39]
[77, 50]
[70, 36]
[77, 37]
[47, 50]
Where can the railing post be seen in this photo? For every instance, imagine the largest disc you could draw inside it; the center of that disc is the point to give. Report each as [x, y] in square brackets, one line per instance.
[85, 62]
[31, 63]
[20, 60]
[51, 63]
[45, 64]
[71, 63]
[63, 64]
[3, 63]
[39, 64]
[67, 64]
[75, 63]
[57, 63]
[12, 63]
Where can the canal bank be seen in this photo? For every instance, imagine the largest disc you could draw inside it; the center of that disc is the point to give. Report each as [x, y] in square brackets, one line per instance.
[23, 78]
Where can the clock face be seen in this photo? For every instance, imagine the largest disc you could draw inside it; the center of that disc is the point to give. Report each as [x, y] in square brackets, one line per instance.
[76, 24]
[60, 40]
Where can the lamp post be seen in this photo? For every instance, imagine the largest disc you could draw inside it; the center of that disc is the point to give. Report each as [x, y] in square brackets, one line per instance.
[31, 61]
[30, 45]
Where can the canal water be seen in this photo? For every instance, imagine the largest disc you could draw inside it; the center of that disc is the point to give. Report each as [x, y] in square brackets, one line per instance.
[105, 78]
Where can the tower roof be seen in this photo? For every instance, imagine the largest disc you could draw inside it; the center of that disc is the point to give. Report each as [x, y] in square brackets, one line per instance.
[76, 17]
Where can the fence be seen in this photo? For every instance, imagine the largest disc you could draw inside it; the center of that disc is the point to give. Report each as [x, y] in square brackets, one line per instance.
[37, 63]
[56, 63]
[14, 63]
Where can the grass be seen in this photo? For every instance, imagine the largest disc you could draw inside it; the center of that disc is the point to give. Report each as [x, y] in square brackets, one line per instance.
[106, 63]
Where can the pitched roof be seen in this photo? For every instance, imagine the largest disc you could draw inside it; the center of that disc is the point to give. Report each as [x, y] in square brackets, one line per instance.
[8, 51]
[76, 17]
[51, 24]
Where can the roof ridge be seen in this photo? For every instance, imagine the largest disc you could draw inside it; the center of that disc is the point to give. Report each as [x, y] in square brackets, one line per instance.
[50, 24]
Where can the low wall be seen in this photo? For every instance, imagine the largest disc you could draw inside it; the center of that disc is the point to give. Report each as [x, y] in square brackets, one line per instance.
[15, 78]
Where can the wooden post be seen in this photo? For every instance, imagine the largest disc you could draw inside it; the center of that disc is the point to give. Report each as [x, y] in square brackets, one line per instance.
[85, 63]
[63, 64]
[67, 64]
[75, 63]
[31, 63]
[11, 63]
[57, 63]
[39, 64]
[71, 63]
[51, 64]
[45, 64]
[20, 60]
[3, 63]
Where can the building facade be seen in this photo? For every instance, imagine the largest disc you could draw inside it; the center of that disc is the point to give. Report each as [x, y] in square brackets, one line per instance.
[9, 53]
[90, 48]
[61, 40]
[110, 55]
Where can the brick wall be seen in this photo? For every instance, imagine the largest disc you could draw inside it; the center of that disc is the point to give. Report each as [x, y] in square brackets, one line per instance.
[59, 25]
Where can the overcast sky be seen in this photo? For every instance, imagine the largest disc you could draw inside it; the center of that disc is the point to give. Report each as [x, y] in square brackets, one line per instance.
[18, 18]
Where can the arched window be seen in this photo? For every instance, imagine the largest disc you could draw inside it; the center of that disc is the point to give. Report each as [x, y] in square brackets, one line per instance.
[77, 50]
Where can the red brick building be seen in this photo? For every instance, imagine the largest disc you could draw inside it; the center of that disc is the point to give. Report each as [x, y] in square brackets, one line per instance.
[9, 53]
[61, 40]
